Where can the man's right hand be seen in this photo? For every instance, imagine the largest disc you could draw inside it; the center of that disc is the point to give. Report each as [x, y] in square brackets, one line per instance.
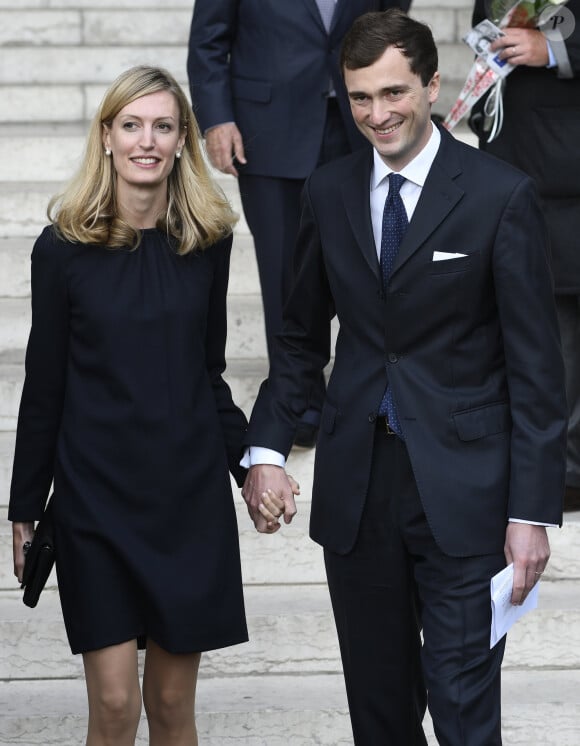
[223, 143]
[260, 479]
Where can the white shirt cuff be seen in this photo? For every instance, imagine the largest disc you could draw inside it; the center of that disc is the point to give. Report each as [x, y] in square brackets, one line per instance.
[552, 62]
[259, 455]
[533, 523]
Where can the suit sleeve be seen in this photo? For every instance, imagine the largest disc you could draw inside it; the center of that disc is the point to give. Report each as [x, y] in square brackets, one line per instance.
[233, 420]
[213, 28]
[302, 350]
[534, 365]
[44, 384]
[571, 43]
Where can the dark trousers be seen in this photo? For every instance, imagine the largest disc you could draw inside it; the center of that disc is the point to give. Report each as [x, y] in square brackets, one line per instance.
[568, 307]
[272, 210]
[395, 583]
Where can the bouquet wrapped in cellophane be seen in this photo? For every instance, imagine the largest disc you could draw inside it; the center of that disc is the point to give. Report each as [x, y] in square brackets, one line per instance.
[489, 70]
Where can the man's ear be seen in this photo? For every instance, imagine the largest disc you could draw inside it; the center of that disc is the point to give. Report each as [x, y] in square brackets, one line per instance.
[434, 86]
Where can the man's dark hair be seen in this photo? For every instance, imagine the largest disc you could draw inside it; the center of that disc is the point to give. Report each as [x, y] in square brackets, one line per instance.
[372, 33]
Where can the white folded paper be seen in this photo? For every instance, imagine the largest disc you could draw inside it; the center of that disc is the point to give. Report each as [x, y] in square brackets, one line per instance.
[503, 613]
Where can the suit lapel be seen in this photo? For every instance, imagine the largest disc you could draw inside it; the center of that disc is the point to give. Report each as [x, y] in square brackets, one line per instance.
[355, 195]
[438, 197]
[340, 6]
[313, 9]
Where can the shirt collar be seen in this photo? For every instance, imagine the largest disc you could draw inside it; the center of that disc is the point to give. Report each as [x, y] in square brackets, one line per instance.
[415, 171]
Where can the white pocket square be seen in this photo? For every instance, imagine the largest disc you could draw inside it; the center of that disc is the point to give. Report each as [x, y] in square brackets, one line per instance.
[441, 256]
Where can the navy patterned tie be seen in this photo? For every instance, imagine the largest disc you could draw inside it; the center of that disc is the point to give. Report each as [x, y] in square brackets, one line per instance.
[394, 226]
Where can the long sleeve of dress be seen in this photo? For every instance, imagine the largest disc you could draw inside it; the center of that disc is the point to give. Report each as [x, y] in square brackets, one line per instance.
[44, 385]
[232, 419]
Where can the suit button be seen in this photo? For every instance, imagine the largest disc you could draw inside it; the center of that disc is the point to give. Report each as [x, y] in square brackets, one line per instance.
[393, 357]
[372, 417]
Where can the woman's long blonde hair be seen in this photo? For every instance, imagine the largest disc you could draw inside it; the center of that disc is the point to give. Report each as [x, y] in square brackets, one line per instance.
[198, 214]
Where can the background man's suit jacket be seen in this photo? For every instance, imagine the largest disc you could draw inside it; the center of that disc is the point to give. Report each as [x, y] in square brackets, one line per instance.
[470, 344]
[541, 135]
[267, 65]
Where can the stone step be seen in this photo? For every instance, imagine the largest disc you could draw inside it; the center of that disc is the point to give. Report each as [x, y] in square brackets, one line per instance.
[35, 645]
[250, 710]
[128, 4]
[111, 27]
[539, 709]
[15, 266]
[94, 26]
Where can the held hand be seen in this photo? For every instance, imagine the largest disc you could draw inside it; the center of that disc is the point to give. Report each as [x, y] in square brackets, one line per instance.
[272, 506]
[223, 143]
[522, 46]
[528, 548]
[260, 479]
[21, 533]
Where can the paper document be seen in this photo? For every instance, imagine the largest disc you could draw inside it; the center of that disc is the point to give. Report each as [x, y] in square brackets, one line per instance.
[503, 613]
[480, 38]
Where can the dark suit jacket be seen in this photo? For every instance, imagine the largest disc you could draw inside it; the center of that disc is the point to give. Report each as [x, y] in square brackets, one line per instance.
[541, 135]
[267, 65]
[470, 345]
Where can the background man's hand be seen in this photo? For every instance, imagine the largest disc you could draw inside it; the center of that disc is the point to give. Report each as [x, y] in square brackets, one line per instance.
[522, 46]
[528, 548]
[223, 142]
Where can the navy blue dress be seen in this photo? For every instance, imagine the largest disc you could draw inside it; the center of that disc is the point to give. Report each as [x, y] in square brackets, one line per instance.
[125, 407]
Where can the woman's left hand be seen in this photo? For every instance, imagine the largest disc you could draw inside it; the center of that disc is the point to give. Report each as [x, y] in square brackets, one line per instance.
[272, 506]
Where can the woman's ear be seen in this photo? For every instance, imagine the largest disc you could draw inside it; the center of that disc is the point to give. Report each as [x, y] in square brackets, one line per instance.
[106, 138]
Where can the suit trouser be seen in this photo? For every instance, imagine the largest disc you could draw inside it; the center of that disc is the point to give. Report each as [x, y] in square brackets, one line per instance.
[395, 582]
[568, 307]
[272, 209]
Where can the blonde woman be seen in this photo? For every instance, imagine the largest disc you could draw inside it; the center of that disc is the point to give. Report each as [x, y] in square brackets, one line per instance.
[125, 408]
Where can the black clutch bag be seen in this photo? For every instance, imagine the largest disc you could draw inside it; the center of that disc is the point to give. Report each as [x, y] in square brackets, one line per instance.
[39, 559]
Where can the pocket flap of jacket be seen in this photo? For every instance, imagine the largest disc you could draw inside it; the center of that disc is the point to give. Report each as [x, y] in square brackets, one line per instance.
[252, 90]
[472, 424]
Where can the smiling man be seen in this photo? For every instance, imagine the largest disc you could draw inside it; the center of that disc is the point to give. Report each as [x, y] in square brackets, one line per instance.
[441, 452]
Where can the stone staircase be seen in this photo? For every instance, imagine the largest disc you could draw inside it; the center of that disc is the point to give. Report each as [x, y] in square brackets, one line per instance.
[285, 685]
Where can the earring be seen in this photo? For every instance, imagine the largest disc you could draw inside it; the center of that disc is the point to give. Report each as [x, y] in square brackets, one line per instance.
[107, 151]
[178, 154]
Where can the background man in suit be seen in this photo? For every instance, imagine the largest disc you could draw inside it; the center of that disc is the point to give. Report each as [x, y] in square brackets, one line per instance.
[267, 90]
[442, 442]
[541, 135]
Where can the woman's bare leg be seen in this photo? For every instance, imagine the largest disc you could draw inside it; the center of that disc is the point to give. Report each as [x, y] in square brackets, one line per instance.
[112, 680]
[169, 683]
